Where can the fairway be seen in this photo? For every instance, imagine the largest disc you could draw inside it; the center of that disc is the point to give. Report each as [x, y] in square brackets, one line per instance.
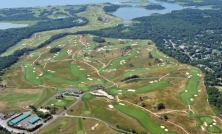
[142, 117]
[148, 88]
[156, 55]
[191, 87]
[115, 64]
[80, 74]
[31, 75]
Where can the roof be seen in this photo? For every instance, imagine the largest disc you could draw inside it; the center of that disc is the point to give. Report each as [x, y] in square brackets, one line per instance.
[34, 119]
[19, 118]
[2, 115]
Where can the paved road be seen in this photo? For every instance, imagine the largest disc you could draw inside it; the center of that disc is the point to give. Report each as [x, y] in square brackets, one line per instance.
[55, 117]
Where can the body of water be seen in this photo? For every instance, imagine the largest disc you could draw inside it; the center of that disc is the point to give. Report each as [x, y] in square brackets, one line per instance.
[133, 12]
[6, 25]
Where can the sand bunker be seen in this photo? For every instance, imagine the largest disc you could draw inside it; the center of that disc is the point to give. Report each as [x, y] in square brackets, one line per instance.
[151, 81]
[162, 127]
[111, 106]
[195, 95]
[122, 104]
[131, 90]
[89, 78]
[186, 90]
[202, 128]
[166, 130]
[205, 124]
[95, 126]
[191, 99]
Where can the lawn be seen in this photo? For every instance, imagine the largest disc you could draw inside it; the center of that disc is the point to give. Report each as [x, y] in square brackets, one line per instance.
[210, 127]
[65, 102]
[147, 88]
[80, 74]
[156, 55]
[142, 117]
[62, 54]
[31, 76]
[115, 64]
[45, 95]
[140, 71]
[191, 87]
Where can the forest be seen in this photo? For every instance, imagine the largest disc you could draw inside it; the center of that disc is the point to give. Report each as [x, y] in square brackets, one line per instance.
[154, 7]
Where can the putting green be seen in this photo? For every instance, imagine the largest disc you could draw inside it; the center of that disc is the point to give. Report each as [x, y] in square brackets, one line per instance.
[156, 55]
[147, 88]
[142, 117]
[191, 87]
[31, 76]
[60, 103]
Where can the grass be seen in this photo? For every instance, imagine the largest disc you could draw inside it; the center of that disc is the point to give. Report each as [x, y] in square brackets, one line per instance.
[65, 102]
[147, 88]
[16, 98]
[158, 56]
[116, 63]
[140, 71]
[191, 87]
[141, 117]
[80, 74]
[210, 127]
[45, 95]
[31, 75]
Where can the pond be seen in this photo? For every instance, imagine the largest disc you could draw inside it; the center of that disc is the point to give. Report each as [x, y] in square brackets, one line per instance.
[6, 25]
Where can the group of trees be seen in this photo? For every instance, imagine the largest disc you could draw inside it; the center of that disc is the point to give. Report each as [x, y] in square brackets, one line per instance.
[99, 39]
[71, 10]
[55, 50]
[111, 8]
[215, 97]
[4, 130]
[154, 7]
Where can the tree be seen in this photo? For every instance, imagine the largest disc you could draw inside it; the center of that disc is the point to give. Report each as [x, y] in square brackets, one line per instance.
[150, 56]
[160, 106]
[55, 50]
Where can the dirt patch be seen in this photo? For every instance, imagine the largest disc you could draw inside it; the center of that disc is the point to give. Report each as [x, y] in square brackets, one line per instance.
[28, 91]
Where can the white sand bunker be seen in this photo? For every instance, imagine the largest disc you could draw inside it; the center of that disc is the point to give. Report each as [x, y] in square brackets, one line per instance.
[214, 120]
[37, 77]
[120, 90]
[202, 128]
[40, 74]
[195, 95]
[151, 81]
[111, 106]
[131, 90]
[166, 130]
[205, 124]
[122, 62]
[122, 104]
[81, 69]
[119, 93]
[214, 124]
[138, 52]
[199, 90]
[33, 71]
[187, 73]
[89, 78]
[59, 100]
[133, 44]
[88, 75]
[155, 81]
[191, 99]
[95, 126]
[52, 104]
[25, 66]
[162, 127]
[186, 90]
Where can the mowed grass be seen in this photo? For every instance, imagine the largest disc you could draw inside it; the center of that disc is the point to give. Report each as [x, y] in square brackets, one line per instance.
[140, 71]
[45, 95]
[191, 87]
[209, 121]
[142, 117]
[61, 54]
[65, 102]
[80, 74]
[31, 76]
[147, 88]
[115, 64]
[156, 55]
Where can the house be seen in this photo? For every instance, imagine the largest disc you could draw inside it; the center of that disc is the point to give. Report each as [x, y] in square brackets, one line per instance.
[59, 96]
[73, 91]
